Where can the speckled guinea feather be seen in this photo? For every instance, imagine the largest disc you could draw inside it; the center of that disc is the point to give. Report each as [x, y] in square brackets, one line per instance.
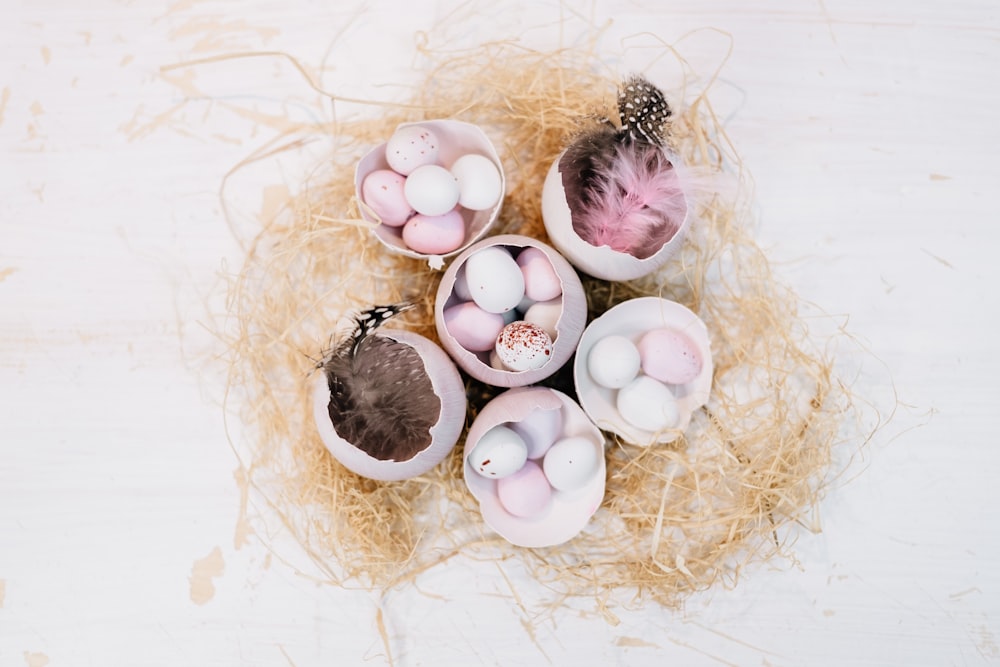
[381, 398]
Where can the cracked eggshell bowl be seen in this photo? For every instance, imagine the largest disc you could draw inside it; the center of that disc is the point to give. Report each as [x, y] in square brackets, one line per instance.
[447, 385]
[600, 261]
[568, 512]
[632, 319]
[457, 138]
[568, 327]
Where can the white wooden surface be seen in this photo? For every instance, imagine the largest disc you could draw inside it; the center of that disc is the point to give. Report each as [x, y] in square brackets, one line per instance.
[870, 129]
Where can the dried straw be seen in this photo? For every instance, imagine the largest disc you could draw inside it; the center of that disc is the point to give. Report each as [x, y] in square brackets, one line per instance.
[675, 519]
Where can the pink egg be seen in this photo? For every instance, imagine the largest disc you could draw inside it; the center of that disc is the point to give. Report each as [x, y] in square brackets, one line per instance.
[472, 327]
[526, 493]
[669, 356]
[435, 234]
[382, 191]
[540, 280]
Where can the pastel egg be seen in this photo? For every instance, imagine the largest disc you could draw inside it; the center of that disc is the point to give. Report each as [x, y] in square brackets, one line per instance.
[382, 191]
[570, 463]
[494, 279]
[523, 346]
[472, 327]
[669, 356]
[545, 314]
[540, 428]
[526, 493]
[411, 147]
[431, 189]
[648, 404]
[499, 453]
[434, 234]
[478, 181]
[613, 361]
[540, 280]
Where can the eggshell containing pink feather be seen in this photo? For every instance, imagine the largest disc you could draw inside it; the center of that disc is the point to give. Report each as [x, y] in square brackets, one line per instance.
[567, 512]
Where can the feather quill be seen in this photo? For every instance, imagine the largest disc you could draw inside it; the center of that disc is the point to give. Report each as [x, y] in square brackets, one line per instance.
[381, 398]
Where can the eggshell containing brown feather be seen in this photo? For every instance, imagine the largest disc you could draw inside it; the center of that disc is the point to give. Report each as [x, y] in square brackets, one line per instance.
[457, 139]
[632, 319]
[568, 512]
[568, 327]
[447, 386]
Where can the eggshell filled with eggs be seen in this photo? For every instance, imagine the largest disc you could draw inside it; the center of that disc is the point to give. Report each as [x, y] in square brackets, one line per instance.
[643, 368]
[555, 490]
[490, 283]
[434, 173]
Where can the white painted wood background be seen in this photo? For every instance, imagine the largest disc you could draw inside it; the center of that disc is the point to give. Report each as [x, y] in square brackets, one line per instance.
[871, 131]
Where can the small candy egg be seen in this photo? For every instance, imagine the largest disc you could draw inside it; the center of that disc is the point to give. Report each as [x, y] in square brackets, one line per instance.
[540, 280]
[382, 191]
[648, 404]
[539, 429]
[461, 287]
[431, 190]
[472, 327]
[434, 234]
[526, 493]
[523, 346]
[478, 180]
[613, 361]
[545, 314]
[499, 453]
[669, 356]
[411, 147]
[494, 279]
[570, 463]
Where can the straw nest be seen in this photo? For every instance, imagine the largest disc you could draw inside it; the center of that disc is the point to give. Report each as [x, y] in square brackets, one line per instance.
[675, 519]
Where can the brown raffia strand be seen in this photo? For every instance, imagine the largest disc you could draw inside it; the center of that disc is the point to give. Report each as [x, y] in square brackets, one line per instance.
[675, 519]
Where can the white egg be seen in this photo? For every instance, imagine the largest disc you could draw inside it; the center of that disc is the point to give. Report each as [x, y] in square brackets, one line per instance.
[648, 404]
[500, 452]
[410, 147]
[570, 463]
[479, 181]
[539, 429]
[431, 190]
[494, 279]
[613, 361]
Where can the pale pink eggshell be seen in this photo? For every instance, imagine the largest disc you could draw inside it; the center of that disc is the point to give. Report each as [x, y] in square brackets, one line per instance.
[632, 319]
[540, 280]
[447, 384]
[669, 356]
[456, 138]
[569, 511]
[382, 191]
[474, 328]
[599, 261]
[434, 234]
[568, 326]
[527, 493]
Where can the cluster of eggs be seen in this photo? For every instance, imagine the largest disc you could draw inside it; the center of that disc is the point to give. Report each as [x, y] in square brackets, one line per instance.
[425, 197]
[507, 303]
[645, 374]
[531, 460]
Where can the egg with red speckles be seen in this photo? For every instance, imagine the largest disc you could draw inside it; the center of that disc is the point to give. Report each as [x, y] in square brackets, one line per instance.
[523, 346]
[412, 146]
[500, 452]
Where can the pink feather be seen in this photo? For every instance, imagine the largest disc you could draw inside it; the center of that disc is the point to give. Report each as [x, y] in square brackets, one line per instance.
[632, 200]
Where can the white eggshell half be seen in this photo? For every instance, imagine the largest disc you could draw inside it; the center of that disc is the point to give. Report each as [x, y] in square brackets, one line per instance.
[631, 319]
[598, 261]
[569, 512]
[457, 139]
[568, 327]
[448, 386]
